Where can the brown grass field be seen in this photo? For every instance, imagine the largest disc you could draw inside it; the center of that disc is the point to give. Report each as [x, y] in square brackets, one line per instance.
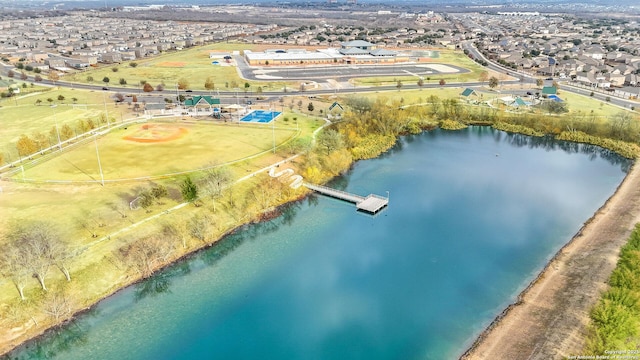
[171, 64]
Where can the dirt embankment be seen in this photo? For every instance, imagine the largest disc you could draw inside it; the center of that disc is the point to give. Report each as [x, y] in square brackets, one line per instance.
[549, 319]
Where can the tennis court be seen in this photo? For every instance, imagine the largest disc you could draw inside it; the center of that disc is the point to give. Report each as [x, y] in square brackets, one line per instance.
[260, 116]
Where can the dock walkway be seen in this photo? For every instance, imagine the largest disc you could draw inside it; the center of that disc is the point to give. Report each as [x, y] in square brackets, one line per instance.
[371, 203]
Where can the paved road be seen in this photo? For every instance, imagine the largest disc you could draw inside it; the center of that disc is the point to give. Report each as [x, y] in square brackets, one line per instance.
[345, 72]
[525, 78]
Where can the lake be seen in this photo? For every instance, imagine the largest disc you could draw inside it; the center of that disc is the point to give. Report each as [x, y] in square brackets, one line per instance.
[473, 216]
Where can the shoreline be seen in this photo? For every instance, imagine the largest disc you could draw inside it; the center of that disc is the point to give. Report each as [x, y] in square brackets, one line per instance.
[267, 215]
[549, 318]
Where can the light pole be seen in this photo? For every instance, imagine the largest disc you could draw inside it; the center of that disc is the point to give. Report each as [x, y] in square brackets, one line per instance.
[273, 128]
[55, 118]
[95, 139]
[106, 112]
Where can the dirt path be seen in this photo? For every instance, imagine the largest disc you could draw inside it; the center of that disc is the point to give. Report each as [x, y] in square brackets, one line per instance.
[548, 321]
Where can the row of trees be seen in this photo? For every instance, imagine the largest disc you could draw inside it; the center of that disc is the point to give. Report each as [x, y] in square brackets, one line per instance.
[210, 192]
[182, 84]
[28, 145]
[371, 126]
[32, 249]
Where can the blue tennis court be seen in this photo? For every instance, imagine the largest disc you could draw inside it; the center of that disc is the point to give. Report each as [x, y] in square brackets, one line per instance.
[260, 116]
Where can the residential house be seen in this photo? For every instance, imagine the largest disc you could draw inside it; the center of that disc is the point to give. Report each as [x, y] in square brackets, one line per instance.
[55, 62]
[111, 57]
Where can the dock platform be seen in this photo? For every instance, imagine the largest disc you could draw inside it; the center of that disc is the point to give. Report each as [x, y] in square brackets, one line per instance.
[371, 203]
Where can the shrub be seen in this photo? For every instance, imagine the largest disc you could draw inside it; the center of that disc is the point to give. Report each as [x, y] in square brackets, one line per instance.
[451, 125]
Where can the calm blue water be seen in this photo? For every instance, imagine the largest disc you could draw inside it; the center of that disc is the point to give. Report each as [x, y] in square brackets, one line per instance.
[473, 216]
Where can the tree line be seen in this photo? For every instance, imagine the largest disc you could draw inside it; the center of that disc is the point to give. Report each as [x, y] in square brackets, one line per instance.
[369, 127]
[29, 145]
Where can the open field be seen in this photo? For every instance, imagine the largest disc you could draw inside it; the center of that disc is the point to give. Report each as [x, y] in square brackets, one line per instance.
[580, 103]
[21, 115]
[193, 64]
[157, 149]
[29, 201]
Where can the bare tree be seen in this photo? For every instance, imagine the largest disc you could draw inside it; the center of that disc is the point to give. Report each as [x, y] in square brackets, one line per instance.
[39, 245]
[216, 180]
[183, 84]
[209, 84]
[177, 231]
[87, 225]
[146, 255]
[484, 76]
[60, 255]
[13, 267]
[53, 76]
[57, 305]
[200, 227]
[267, 193]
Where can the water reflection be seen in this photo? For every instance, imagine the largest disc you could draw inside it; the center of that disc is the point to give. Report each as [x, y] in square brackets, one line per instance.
[249, 232]
[160, 283]
[56, 341]
[548, 143]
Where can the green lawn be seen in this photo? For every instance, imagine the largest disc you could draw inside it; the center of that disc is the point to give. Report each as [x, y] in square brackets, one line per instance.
[32, 113]
[23, 115]
[585, 104]
[122, 157]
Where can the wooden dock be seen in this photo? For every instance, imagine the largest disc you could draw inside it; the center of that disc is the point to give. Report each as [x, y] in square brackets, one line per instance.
[371, 203]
